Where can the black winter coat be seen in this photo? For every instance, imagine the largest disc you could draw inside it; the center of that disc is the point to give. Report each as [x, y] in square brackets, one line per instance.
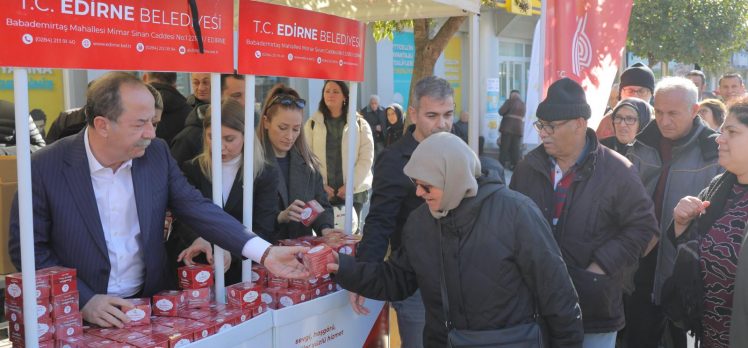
[499, 257]
[175, 112]
[66, 124]
[264, 211]
[188, 143]
[608, 218]
[8, 131]
[393, 198]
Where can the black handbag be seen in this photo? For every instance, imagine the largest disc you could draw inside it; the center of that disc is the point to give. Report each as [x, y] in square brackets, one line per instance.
[527, 335]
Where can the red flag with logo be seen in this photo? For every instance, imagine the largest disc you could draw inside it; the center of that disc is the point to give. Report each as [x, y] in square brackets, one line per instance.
[584, 41]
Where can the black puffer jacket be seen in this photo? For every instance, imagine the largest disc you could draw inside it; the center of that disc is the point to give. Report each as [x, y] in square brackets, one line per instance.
[188, 143]
[8, 130]
[175, 111]
[608, 218]
[494, 271]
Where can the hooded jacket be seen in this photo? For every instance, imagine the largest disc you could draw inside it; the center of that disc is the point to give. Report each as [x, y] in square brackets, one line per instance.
[496, 274]
[608, 218]
[693, 165]
[188, 143]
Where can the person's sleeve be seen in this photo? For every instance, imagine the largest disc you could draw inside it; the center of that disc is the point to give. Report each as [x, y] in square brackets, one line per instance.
[386, 200]
[327, 218]
[183, 147]
[504, 108]
[365, 154]
[544, 271]
[265, 204]
[44, 254]
[205, 218]
[36, 140]
[55, 129]
[393, 280]
[634, 212]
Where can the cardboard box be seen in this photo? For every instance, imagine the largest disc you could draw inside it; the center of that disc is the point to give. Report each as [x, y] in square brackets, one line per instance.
[65, 305]
[140, 313]
[317, 258]
[201, 330]
[169, 302]
[14, 288]
[8, 188]
[199, 298]
[312, 209]
[304, 284]
[259, 275]
[195, 276]
[45, 332]
[262, 308]
[277, 282]
[62, 280]
[244, 295]
[68, 326]
[290, 297]
[14, 313]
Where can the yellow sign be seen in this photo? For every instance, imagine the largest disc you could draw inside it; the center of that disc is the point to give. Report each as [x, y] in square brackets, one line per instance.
[523, 7]
[453, 69]
[45, 91]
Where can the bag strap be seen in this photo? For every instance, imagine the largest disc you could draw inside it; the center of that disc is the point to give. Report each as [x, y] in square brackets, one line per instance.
[445, 298]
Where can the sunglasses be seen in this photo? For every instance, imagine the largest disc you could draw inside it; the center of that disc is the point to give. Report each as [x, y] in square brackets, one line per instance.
[288, 100]
[425, 188]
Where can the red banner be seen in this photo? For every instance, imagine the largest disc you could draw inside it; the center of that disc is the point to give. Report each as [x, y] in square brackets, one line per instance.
[584, 41]
[283, 41]
[117, 34]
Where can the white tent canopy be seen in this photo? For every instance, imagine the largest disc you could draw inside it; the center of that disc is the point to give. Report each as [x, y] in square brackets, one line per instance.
[377, 10]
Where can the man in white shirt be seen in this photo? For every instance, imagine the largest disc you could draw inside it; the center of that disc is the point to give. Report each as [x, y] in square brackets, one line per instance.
[100, 198]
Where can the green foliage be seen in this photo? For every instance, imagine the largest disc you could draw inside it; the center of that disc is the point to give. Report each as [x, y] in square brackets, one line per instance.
[706, 32]
[386, 29]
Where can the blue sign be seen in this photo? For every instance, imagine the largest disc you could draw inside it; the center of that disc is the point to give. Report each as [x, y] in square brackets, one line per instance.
[403, 56]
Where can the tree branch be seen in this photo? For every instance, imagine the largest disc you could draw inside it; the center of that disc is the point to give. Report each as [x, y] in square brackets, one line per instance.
[446, 32]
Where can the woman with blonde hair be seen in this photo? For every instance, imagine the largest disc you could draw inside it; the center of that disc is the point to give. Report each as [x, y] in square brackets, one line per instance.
[281, 132]
[198, 172]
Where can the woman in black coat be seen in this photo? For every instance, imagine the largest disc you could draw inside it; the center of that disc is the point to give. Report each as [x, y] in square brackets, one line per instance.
[198, 173]
[394, 129]
[281, 131]
[629, 117]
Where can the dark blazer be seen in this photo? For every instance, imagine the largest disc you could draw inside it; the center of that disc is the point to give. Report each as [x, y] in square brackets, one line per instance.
[304, 185]
[67, 226]
[264, 210]
[175, 111]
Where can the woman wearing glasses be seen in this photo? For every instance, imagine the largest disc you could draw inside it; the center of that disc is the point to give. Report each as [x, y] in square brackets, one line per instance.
[282, 134]
[327, 132]
[199, 173]
[630, 116]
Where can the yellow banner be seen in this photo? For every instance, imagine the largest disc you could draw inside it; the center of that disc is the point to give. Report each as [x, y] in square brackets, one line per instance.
[453, 69]
[45, 92]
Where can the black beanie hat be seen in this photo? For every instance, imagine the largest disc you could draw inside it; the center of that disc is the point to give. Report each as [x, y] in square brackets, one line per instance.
[565, 101]
[638, 75]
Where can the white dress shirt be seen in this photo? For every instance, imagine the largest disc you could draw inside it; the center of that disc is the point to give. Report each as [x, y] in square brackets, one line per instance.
[230, 169]
[115, 200]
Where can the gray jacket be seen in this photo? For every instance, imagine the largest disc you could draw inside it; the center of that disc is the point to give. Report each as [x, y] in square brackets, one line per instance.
[693, 166]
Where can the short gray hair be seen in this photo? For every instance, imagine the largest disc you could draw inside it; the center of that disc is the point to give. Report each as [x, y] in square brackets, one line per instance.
[672, 83]
[434, 87]
[375, 97]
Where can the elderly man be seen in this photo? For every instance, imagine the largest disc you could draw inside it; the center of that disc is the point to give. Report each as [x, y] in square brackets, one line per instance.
[374, 114]
[601, 215]
[493, 276]
[100, 198]
[637, 81]
[731, 87]
[676, 156]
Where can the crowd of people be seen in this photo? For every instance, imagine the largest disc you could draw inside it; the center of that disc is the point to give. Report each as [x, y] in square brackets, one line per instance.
[628, 235]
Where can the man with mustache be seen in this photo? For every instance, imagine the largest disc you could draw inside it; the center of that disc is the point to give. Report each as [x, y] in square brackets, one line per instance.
[100, 198]
[676, 156]
[601, 216]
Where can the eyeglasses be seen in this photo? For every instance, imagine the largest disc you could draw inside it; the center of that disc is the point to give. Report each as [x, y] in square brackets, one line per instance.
[627, 120]
[287, 100]
[425, 188]
[549, 128]
[640, 91]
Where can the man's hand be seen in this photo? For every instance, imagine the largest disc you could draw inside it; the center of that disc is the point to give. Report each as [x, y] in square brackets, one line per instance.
[106, 311]
[282, 262]
[330, 192]
[341, 192]
[201, 246]
[357, 303]
[595, 268]
[292, 213]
